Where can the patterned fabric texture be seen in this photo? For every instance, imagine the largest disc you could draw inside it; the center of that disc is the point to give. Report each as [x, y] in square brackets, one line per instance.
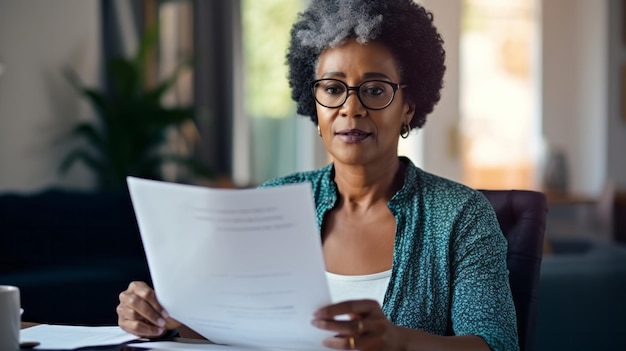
[449, 274]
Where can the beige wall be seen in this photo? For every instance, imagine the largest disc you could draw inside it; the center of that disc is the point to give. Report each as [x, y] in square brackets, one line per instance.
[439, 157]
[575, 87]
[38, 39]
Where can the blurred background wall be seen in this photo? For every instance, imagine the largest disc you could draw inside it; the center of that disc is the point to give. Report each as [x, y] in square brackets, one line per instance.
[580, 94]
[38, 107]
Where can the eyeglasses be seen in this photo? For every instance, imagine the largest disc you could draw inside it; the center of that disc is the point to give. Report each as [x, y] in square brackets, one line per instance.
[373, 94]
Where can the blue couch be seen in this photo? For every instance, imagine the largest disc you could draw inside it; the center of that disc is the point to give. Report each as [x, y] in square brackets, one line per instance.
[70, 253]
[582, 297]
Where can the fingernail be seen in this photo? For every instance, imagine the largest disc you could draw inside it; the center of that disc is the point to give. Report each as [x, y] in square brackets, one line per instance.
[165, 314]
[161, 322]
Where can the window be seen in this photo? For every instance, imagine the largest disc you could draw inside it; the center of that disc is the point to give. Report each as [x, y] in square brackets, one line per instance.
[500, 118]
[176, 48]
[280, 140]
[174, 51]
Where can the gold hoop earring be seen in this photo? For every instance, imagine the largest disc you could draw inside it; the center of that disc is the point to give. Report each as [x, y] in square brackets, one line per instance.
[405, 131]
[319, 131]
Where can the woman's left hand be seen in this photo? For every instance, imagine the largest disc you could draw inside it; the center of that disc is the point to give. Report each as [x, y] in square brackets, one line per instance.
[366, 328]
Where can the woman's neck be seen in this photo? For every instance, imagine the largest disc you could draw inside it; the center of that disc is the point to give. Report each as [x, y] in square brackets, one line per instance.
[364, 185]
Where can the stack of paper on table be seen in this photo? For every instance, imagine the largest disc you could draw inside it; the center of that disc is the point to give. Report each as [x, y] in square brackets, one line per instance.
[64, 337]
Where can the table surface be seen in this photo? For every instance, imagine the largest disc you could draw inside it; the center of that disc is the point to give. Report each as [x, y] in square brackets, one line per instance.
[98, 348]
[122, 347]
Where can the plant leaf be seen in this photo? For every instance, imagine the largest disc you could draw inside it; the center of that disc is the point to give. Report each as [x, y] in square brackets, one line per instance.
[148, 41]
[81, 155]
[96, 98]
[173, 116]
[126, 77]
[92, 135]
[98, 102]
[73, 78]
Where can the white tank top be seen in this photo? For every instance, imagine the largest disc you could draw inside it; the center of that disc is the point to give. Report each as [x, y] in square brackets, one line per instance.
[357, 287]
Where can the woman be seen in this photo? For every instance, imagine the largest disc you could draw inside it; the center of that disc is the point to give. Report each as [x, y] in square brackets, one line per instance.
[416, 261]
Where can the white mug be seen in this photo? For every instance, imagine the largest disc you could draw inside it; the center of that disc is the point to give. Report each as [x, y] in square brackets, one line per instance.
[10, 318]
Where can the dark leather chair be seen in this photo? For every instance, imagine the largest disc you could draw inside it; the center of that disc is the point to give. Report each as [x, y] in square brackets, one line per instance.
[522, 218]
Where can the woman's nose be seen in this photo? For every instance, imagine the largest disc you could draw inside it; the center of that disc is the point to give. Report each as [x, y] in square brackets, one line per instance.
[353, 106]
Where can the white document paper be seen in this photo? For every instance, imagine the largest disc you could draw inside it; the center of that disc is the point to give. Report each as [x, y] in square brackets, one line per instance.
[189, 345]
[239, 266]
[63, 337]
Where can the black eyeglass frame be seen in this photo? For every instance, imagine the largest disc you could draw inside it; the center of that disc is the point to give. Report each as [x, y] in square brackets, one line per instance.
[357, 89]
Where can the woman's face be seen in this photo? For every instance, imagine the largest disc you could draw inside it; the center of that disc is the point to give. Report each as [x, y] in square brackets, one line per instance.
[353, 134]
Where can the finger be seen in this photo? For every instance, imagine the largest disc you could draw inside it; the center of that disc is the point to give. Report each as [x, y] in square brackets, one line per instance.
[148, 294]
[143, 309]
[340, 343]
[353, 327]
[144, 291]
[360, 326]
[352, 307]
[132, 322]
[171, 323]
[366, 342]
[125, 312]
[140, 328]
[368, 326]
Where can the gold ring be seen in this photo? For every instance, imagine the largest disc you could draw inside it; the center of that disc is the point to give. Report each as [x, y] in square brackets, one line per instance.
[360, 326]
[351, 341]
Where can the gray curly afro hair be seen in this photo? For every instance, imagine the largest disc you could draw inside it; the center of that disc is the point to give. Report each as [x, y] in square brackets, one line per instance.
[405, 27]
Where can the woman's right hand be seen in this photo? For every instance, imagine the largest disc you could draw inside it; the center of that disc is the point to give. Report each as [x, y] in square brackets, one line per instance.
[140, 313]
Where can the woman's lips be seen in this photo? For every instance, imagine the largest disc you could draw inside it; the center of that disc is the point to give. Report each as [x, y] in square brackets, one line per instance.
[352, 135]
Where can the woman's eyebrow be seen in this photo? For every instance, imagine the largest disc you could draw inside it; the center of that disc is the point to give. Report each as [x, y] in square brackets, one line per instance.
[375, 75]
[366, 75]
[334, 74]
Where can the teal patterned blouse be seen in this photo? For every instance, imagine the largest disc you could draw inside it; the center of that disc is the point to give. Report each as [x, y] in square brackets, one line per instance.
[449, 274]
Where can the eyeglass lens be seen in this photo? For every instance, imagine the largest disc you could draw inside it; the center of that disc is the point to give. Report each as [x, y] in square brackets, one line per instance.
[373, 94]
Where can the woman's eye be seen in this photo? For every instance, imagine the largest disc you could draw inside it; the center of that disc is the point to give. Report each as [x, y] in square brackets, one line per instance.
[373, 90]
[334, 89]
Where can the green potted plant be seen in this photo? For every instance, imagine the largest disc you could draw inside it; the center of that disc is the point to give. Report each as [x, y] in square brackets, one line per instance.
[132, 123]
